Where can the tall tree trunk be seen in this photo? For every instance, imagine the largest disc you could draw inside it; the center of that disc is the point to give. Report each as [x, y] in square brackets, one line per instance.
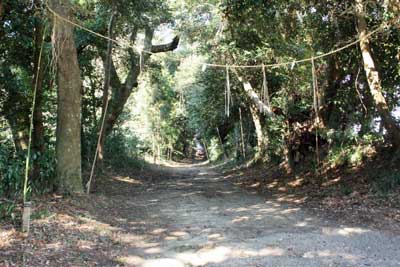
[262, 139]
[329, 113]
[37, 81]
[373, 78]
[287, 149]
[68, 146]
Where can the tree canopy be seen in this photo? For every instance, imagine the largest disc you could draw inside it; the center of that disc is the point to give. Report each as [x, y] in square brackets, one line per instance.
[166, 75]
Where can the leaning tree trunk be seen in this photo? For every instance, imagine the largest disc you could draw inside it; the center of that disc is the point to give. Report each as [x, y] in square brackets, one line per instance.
[262, 138]
[122, 90]
[253, 96]
[257, 108]
[373, 78]
[68, 146]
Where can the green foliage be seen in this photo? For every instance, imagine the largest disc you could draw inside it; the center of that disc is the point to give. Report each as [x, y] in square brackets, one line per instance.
[349, 149]
[12, 171]
[7, 210]
[46, 181]
[124, 151]
[387, 181]
[176, 100]
[11, 165]
[215, 151]
[346, 190]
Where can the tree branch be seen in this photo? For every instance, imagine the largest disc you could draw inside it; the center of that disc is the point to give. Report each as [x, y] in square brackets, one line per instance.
[166, 47]
[122, 91]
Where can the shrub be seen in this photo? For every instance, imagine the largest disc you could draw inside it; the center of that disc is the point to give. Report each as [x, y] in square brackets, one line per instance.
[122, 150]
[387, 181]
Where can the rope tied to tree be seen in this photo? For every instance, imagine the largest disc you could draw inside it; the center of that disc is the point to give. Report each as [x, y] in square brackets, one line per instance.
[382, 27]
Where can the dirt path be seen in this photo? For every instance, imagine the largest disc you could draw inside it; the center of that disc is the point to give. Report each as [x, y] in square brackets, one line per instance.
[192, 216]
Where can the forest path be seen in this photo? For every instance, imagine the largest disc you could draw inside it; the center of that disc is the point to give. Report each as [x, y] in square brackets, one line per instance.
[187, 215]
[190, 215]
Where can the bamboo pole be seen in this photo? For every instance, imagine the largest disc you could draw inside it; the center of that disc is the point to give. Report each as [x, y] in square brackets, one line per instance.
[241, 133]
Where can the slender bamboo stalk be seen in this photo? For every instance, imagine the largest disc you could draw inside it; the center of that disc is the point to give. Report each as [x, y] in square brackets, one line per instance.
[28, 155]
[241, 133]
[100, 141]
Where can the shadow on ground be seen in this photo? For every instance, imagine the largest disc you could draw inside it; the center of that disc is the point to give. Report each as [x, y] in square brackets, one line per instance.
[190, 215]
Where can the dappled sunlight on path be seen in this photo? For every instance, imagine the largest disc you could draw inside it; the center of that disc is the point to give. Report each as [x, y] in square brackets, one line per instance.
[193, 216]
[190, 215]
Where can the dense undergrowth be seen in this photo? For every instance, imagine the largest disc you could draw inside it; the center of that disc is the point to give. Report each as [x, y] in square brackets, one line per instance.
[123, 152]
[357, 184]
